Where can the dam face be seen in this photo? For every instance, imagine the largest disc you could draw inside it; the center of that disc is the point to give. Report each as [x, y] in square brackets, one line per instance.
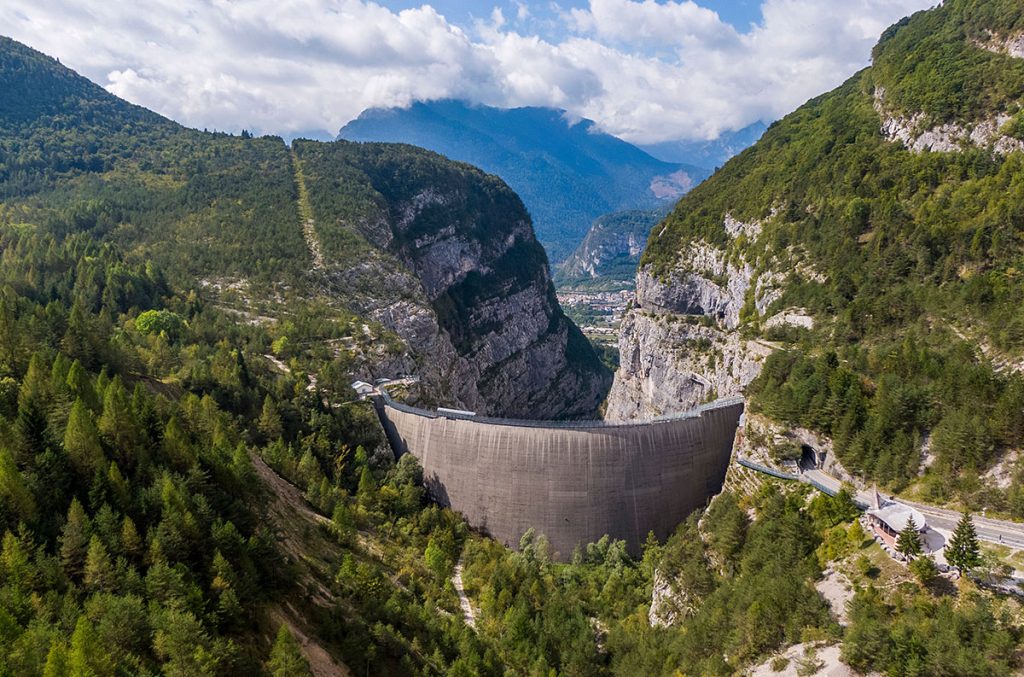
[574, 482]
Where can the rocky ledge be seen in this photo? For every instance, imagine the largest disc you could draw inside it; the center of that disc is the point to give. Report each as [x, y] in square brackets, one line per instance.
[681, 343]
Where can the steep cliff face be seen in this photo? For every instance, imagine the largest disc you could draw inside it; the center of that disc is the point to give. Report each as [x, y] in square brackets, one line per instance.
[681, 343]
[855, 273]
[468, 284]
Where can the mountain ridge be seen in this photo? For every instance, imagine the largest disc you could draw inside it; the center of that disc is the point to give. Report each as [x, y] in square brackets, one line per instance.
[566, 171]
[222, 213]
[829, 270]
[711, 153]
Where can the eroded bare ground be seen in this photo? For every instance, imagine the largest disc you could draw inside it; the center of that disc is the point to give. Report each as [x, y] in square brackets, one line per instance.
[321, 663]
[468, 615]
[314, 557]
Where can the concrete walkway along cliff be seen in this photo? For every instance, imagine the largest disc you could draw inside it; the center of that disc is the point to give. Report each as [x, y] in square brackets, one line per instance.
[572, 481]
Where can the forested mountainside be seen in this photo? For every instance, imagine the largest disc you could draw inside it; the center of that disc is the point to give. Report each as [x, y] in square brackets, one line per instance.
[439, 258]
[566, 172]
[863, 261]
[608, 256]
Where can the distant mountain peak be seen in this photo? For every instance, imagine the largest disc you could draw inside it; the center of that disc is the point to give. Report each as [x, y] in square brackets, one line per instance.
[567, 171]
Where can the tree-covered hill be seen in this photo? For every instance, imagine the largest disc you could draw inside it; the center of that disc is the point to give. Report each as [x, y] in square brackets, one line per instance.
[403, 237]
[608, 255]
[891, 211]
[76, 157]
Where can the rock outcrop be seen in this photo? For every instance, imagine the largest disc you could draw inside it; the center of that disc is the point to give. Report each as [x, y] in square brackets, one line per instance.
[680, 344]
[451, 265]
[1011, 45]
[914, 132]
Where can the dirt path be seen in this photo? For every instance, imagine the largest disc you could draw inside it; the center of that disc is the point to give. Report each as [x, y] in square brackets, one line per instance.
[321, 663]
[306, 213]
[467, 609]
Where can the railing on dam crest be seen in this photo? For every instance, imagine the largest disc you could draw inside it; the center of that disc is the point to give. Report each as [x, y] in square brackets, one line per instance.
[569, 424]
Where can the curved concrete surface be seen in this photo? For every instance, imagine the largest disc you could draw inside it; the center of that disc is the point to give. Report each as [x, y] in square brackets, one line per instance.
[573, 481]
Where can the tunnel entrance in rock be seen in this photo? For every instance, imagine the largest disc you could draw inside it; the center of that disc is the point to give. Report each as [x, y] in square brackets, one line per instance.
[808, 457]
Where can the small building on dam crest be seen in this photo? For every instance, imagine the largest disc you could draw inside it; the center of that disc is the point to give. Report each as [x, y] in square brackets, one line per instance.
[573, 481]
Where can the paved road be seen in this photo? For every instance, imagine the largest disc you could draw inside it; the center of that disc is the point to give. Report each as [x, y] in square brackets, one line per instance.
[991, 530]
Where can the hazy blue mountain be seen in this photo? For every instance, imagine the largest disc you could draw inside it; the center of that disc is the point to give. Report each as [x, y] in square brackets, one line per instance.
[566, 171]
[707, 153]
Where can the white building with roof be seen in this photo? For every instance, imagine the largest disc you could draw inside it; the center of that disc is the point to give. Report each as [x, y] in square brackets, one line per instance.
[888, 518]
[362, 388]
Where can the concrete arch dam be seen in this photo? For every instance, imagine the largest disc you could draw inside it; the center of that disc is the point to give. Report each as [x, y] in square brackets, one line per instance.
[572, 481]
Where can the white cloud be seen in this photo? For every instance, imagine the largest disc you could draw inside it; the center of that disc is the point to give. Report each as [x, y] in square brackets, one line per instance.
[645, 70]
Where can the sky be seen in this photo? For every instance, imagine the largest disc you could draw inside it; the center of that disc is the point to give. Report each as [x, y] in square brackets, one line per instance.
[644, 70]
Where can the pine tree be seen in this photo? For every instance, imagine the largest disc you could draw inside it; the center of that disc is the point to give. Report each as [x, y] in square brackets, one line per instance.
[270, 420]
[222, 573]
[309, 469]
[229, 609]
[15, 564]
[59, 375]
[285, 658]
[74, 540]
[82, 440]
[35, 385]
[343, 523]
[78, 341]
[118, 423]
[56, 660]
[176, 444]
[80, 385]
[962, 551]
[86, 656]
[435, 559]
[130, 540]
[909, 541]
[119, 487]
[31, 423]
[15, 498]
[367, 488]
[99, 570]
